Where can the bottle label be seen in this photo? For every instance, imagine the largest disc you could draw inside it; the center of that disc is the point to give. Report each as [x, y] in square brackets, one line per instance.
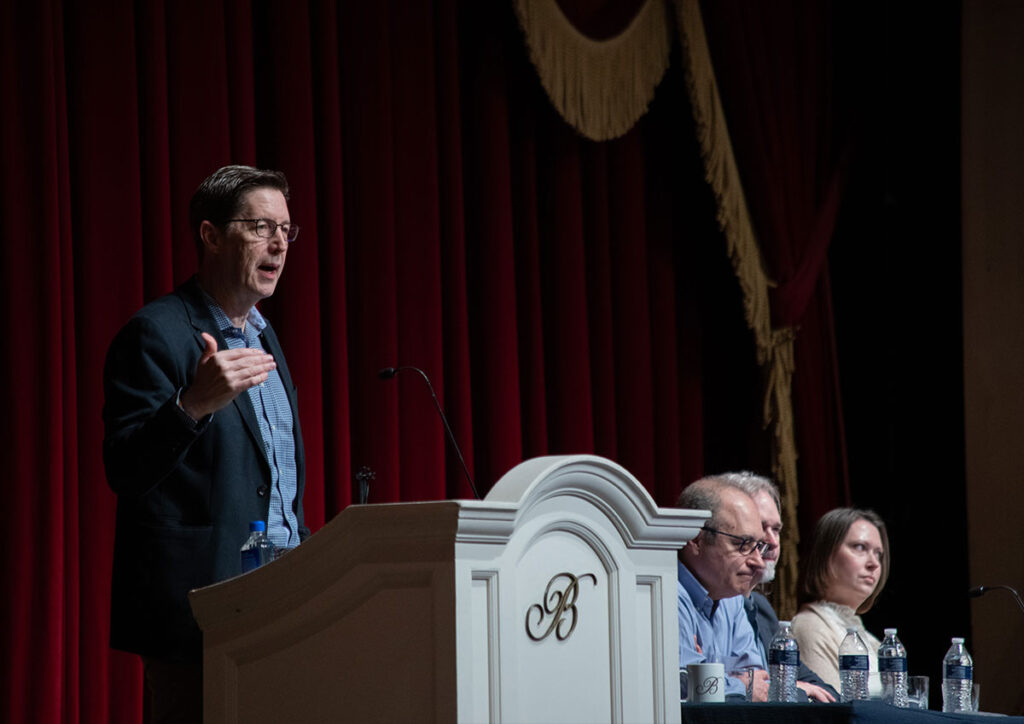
[250, 559]
[853, 662]
[783, 658]
[959, 671]
[894, 664]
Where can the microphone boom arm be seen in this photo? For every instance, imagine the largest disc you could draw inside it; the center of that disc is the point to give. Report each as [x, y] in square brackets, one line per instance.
[982, 590]
[389, 372]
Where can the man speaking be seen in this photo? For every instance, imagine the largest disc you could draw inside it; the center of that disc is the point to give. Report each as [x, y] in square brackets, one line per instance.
[201, 433]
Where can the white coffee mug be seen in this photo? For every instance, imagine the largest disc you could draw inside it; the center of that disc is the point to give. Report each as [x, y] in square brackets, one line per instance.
[705, 683]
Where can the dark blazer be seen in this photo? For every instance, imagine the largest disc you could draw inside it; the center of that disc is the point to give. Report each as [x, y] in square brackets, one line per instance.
[185, 495]
[765, 623]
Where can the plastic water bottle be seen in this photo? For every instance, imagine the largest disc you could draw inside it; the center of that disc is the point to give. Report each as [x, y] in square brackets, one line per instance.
[853, 667]
[783, 663]
[258, 550]
[892, 669]
[957, 678]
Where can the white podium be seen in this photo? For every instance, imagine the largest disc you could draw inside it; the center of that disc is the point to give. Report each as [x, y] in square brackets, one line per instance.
[552, 600]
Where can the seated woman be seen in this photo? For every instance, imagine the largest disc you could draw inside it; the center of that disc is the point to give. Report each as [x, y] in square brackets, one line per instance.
[846, 570]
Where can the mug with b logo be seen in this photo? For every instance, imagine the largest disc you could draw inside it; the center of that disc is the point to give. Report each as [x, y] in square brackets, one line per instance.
[705, 683]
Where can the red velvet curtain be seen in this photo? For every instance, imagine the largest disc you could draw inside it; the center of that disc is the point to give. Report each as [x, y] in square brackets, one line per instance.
[778, 66]
[560, 293]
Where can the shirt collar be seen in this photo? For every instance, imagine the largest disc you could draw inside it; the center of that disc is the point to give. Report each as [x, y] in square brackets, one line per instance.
[253, 318]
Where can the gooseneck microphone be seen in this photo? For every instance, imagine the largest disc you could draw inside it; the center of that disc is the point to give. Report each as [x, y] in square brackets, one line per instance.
[389, 372]
[982, 590]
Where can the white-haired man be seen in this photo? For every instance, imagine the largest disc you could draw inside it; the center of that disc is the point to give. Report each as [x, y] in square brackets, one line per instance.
[760, 613]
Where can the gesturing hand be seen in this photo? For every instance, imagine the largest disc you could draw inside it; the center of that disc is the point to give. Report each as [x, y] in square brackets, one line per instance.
[221, 376]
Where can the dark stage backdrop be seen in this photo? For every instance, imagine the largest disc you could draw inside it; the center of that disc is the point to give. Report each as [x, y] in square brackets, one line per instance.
[896, 272]
[564, 296]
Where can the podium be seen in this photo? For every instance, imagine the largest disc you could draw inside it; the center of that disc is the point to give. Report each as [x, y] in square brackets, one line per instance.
[552, 600]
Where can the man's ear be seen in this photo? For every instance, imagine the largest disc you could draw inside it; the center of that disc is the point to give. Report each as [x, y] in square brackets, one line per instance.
[696, 544]
[210, 236]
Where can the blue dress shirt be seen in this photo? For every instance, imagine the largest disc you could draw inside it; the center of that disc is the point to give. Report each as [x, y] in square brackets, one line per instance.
[722, 631]
[270, 402]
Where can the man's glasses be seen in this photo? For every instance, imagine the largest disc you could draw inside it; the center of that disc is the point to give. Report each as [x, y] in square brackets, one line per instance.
[267, 229]
[747, 545]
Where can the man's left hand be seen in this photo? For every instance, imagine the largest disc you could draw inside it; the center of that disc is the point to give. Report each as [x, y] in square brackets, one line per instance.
[815, 692]
[760, 690]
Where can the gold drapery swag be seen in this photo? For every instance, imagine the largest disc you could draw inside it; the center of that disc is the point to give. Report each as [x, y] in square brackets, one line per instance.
[602, 88]
[774, 346]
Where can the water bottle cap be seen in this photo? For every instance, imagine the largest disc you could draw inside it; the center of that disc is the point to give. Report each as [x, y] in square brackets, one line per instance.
[957, 640]
[852, 629]
[890, 632]
[257, 525]
[784, 623]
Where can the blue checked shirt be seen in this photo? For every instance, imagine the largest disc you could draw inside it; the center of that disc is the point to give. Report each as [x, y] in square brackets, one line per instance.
[274, 414]
[722, 631]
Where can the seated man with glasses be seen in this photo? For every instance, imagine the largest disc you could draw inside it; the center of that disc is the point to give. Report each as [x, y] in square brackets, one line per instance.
[716, 570]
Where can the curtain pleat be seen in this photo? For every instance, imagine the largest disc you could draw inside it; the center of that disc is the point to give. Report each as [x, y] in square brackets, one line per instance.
[528, 173]
[599, 309]
[785, 104]
[368, 158]
[451, 192]
[422, 440]
[631, 309]
[562, 282]
[329, 217]
[774, 346]
[492, 296]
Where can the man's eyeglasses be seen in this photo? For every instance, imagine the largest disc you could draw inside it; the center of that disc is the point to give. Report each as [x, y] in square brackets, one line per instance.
[747, 545]
[267, 229]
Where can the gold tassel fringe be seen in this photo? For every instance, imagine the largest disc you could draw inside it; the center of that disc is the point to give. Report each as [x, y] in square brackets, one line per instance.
[600, 87]
[774, 347]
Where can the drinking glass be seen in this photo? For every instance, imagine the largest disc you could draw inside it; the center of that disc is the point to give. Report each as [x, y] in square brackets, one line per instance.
[747, 674]
[917, 692]
[976, 697]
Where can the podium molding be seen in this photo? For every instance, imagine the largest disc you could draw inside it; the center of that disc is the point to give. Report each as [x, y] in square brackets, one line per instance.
[551, 600]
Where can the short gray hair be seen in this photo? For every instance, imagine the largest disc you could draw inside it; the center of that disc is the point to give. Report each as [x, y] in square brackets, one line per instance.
[703, 494]
[752, 484]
